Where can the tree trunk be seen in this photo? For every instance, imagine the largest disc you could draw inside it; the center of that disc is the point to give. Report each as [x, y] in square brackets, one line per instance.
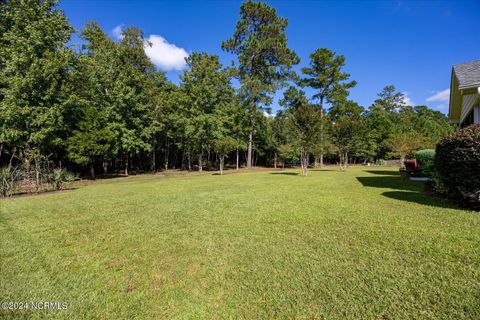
[182, 163]
[154, 159]
[189, 159]
[92, 171]
[105, 167]
[175, 158]
[238, 156]
[304, 162]
[275, 161]
[343, 160]
[250, 136]
[167, 154]
[322, 136]
[126, 164]
[402, 161]
[200, 165]
[250, 149]
[37, 176]
[222, 158]
[208, 158]
[37, 173]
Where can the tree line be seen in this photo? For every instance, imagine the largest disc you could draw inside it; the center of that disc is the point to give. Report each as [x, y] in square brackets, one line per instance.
[103, 106]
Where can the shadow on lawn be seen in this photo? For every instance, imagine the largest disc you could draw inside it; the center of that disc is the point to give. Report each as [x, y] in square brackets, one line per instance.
[390, 182]
[286, 173]
[404, 190]
[384, 172]
[421, 198]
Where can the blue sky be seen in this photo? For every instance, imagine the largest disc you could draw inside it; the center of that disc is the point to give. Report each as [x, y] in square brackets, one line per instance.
[410, 44]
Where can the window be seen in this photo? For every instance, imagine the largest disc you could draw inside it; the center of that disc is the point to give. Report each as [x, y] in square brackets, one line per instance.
[468, 119]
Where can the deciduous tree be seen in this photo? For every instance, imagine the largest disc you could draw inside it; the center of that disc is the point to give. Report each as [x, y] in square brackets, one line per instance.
[346, 128]
[305, 120]
[223, 146]
[209, 94]
[34, 77]
[403, 144]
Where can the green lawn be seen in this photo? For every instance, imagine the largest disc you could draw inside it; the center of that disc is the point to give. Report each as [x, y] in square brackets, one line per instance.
[333, 245]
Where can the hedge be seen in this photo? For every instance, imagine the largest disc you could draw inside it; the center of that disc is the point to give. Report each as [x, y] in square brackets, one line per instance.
[457, 161]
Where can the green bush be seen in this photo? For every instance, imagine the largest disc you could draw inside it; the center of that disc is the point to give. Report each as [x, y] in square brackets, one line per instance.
[425, 155]
[288, 152]
[8, 178]
[60, 177]
[426, 159]
[457, 161]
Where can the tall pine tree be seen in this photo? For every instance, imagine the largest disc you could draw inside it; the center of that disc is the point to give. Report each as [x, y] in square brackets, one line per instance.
[264, 60]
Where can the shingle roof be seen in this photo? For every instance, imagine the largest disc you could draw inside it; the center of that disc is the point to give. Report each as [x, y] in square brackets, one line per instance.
[468, 74]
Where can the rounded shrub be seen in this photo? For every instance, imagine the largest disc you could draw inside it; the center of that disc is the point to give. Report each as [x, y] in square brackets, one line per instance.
[457, 162]
[426, 157]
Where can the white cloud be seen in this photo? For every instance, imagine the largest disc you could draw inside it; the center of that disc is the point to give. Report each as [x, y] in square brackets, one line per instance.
[442, 106]
[406, 99]
[165, 55]
[118, 32]
[443, 96]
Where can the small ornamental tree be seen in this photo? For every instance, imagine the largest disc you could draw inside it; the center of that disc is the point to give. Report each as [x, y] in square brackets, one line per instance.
[403, 144]
[457, 161]
[223, 147]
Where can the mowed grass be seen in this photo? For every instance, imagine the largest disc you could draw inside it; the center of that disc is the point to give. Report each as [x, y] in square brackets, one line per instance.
[261, 245]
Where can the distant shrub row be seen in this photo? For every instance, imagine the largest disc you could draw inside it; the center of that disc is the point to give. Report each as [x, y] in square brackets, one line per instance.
[17, 180]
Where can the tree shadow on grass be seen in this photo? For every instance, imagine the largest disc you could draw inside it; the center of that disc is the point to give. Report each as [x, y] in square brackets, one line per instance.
[110, 176]
[384, 172]
[421, 198]
[390, 182]
[39, 193]
[286, 173]
[404, 190]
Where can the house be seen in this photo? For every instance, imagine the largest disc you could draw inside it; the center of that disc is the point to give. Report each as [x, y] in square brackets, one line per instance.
[464, 106]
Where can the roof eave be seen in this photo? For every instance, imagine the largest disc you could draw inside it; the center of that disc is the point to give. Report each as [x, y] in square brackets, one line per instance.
[451, 92]
[474, 86]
